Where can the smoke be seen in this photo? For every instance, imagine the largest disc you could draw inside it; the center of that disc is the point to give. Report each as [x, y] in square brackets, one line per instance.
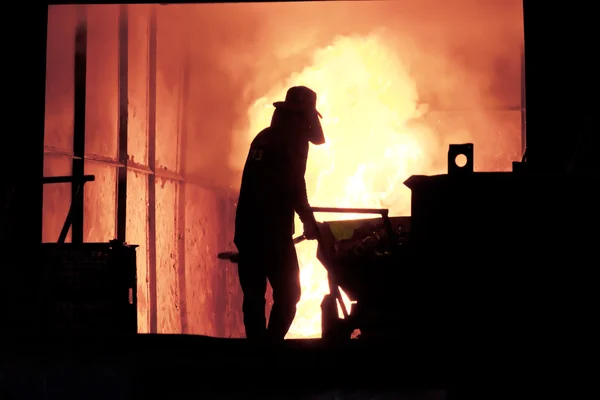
[462, 54]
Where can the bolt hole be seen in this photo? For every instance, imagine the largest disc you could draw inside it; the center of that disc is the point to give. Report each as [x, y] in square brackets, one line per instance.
[460, 160]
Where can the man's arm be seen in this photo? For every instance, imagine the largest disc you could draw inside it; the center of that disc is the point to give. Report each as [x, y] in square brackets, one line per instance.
[298, 159]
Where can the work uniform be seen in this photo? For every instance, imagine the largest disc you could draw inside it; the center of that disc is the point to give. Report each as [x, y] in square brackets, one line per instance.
[272, 189]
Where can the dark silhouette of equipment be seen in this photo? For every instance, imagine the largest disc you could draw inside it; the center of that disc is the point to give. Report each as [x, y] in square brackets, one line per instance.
[86, 289]
[358, 256]
[455, 151]
[472, 259]
[362, 258]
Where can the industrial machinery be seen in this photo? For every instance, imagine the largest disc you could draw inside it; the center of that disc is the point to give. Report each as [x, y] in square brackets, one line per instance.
[477, 245]
[359, 256]
[363, 258]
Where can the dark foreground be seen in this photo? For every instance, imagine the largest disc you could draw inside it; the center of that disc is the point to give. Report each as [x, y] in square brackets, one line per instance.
[196, 367]
[203, 367]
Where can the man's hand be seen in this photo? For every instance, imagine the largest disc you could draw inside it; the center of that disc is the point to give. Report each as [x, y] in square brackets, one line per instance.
[310, 231]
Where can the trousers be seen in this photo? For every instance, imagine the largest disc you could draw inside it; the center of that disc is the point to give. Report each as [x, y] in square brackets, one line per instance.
[276, 262]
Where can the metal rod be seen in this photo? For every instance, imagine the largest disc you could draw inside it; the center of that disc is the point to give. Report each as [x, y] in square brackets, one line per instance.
[169, 175]
[152, 287]
[68, 179]
[523, 106]
[72, 211]
[183, 119]
[123, 118]
[384, 212]
[335, 291]
[80, 73]
[381, 211]
[162, 173]
[234, 256]
[139, 168]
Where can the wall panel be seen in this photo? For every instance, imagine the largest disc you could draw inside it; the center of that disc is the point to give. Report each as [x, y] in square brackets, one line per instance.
[102, 81]
[169, 71]
[138, 85]
[504, 144]
[137, 233]
[202, 245]
[58, 130]
[166, 127]
[232, 322]
[99, 217]
[57, 198]
[166, 257]
[213, 291]
[496, 136]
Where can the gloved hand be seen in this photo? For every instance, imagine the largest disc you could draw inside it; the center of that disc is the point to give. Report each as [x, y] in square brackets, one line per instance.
[310, 231]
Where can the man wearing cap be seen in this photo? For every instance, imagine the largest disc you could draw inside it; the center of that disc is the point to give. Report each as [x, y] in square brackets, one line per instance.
[272, 189]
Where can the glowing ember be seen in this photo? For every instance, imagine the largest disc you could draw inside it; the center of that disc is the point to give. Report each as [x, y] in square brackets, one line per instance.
[367, 98]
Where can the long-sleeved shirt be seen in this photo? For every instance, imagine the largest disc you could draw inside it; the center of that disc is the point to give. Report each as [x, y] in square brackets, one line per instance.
[273, 188]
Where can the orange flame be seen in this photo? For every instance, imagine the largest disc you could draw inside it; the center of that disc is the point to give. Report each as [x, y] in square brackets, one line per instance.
[367, 99]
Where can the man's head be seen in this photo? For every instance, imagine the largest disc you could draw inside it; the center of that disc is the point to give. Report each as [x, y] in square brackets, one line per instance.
[300, 109]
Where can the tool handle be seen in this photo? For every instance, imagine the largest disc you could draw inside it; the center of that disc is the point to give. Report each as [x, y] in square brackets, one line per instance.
[299, 239]
[234, 256]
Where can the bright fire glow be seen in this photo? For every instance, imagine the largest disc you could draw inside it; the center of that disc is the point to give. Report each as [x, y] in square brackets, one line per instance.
[367, 99]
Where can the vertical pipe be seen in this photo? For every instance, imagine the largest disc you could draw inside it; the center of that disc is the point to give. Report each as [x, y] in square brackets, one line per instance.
[183, 121]
[523, 106]
[152, 288]
[79, 122]
[541, 142]
[123, 119]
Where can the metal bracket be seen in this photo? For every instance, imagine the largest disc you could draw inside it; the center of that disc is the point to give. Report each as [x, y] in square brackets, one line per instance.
[455, 150]
[79, 181]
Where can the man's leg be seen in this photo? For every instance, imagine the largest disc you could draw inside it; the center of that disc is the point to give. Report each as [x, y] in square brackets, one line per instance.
[253, 281]
[284, 276]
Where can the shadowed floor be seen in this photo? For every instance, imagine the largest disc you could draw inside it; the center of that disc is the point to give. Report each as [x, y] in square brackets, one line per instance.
[147, 365]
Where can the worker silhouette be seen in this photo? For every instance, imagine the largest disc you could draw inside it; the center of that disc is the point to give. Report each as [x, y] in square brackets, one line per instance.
[272, 189]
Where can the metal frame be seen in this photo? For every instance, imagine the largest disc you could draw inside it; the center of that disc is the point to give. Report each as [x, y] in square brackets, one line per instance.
[123, 118]
[161, 173]
[523, 108]
[121, 162]
[152, 285]
[77, 183]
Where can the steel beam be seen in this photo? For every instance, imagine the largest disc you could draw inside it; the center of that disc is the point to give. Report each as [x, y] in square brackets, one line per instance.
[152, 55]
[123, 118]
